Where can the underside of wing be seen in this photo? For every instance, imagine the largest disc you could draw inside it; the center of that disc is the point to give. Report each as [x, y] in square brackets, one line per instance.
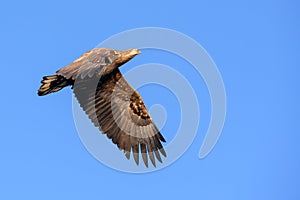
[119, 112]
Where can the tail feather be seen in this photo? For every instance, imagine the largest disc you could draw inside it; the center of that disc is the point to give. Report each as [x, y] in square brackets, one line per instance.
[52, 83]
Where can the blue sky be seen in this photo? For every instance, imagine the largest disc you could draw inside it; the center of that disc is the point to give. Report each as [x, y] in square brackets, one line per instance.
[256, 47]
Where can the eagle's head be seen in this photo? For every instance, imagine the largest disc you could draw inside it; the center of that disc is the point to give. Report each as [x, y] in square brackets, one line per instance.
[128, 54]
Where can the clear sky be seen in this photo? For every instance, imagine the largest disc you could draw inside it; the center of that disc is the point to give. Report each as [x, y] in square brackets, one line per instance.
[256, 46]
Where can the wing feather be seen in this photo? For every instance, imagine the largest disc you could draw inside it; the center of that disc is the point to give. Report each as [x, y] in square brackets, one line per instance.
[135, 151]
[144, 153]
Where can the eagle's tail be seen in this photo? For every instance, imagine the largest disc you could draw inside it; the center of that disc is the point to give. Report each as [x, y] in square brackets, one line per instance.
[52, 83]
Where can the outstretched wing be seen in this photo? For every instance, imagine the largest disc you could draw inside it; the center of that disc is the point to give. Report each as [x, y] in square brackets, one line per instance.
[119, 111]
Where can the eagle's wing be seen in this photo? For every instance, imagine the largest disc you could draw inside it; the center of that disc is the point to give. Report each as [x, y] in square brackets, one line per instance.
[90, 63]
[119, 111]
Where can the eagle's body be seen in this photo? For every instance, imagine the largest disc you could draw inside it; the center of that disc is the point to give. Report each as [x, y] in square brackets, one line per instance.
[110, 102]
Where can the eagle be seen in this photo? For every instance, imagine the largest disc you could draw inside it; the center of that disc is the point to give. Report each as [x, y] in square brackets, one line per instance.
[109, 101]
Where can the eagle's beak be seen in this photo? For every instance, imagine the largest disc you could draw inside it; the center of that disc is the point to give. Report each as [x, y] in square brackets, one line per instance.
[138, 51]
[132, 52]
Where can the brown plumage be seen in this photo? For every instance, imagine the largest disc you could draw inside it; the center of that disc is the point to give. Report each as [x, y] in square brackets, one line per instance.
[110, 102]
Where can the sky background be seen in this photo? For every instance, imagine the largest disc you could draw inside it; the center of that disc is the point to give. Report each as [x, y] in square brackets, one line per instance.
[256, 46]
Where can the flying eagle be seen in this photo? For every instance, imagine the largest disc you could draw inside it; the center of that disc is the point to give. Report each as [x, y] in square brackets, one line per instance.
[110, 102]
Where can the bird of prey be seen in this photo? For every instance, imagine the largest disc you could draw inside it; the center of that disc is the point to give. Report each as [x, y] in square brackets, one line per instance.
[110, 102]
